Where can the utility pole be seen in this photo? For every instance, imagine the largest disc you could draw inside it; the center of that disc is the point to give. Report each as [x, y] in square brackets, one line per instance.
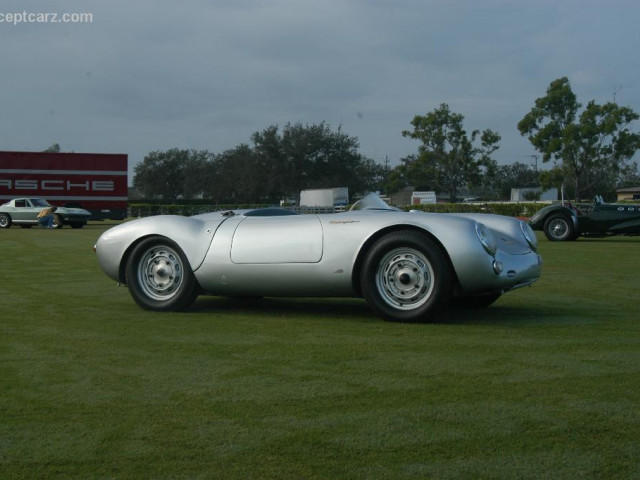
[615, 92]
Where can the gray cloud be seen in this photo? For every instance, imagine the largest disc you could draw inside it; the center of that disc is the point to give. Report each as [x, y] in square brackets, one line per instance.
[156, 75]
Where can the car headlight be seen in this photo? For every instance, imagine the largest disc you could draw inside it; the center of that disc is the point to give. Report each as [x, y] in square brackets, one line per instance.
[529, 236]
[487, 239]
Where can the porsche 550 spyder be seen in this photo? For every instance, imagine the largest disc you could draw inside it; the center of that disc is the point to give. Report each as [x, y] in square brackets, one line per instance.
[407, 265]
[563, 222]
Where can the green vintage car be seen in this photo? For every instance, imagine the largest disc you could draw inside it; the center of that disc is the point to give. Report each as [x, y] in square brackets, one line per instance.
[565, 222]
[23, 212]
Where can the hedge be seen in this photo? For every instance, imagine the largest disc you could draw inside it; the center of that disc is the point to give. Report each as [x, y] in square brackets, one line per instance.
[523, 209]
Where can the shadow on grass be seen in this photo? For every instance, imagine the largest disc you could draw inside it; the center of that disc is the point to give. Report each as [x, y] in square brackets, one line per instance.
[605, 239]
[295, 307]
[357, 309]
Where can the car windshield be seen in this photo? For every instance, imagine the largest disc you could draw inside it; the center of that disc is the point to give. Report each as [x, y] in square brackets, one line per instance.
[39, 202]
[371, 201]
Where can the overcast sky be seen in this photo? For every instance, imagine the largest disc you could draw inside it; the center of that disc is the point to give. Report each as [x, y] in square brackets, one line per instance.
[153, 75]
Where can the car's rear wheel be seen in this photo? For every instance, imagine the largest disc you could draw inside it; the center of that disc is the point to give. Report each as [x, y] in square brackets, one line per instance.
[159, 276]
[5, 220]
[559, 228]
[405, 277]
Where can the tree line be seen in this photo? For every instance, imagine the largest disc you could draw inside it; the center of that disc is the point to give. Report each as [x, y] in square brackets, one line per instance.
[278, 164]
[591, 152]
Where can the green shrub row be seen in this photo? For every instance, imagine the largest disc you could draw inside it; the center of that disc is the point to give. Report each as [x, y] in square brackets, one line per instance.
[523, 209]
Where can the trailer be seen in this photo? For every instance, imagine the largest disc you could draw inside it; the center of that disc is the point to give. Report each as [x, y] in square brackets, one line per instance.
[96, 182]
[324, 197]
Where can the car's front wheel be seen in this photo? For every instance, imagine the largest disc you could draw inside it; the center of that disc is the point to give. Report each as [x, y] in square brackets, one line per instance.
[406, 277]
[559, 228]
[5, 220]
[159, 276]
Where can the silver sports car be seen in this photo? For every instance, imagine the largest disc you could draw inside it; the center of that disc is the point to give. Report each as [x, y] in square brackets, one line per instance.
[407, 265]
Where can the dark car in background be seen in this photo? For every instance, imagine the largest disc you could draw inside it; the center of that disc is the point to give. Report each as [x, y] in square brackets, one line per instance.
[564, 222]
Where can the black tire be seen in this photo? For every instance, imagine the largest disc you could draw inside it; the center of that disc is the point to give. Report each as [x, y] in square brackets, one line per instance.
[405, 277]
[559, 228]
[159, 276]
[5, 220]
[477, 301]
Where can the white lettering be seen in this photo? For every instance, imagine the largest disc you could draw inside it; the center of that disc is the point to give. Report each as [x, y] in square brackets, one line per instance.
[26, 185]
[103, 186]
[58, 185]
[52, 185]
[45, 17]
[84, 185]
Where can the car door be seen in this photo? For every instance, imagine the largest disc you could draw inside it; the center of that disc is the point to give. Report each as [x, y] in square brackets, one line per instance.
[278, 240]
[24, 211]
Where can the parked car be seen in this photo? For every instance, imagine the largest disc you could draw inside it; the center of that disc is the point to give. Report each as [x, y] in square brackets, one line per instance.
[407, 265]
[23, 212]
[565, 222]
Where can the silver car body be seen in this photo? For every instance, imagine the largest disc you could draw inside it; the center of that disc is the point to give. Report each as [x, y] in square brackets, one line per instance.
[244, 253]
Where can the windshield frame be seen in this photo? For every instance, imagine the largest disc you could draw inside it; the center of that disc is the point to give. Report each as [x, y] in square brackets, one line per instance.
[372, 201]
[39, 202]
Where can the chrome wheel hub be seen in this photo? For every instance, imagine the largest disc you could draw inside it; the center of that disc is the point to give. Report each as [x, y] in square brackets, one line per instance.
[404, 278]
[160, 272]
[558, 228]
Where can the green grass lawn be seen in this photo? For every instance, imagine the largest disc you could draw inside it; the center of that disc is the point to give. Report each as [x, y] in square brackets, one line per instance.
[545, 384]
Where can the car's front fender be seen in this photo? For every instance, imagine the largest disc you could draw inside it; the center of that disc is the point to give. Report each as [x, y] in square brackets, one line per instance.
[192, 235]
[540, 217]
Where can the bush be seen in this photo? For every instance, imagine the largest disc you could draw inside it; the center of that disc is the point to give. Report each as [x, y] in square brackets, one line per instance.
[524, 209]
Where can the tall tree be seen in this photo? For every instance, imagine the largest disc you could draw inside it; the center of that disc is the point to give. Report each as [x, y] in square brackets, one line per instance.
[516, 175]
[172, 173]
[237, 177]
[447, 158]
[311, 156]
[278, 165]
[54, 148]
[592, 146]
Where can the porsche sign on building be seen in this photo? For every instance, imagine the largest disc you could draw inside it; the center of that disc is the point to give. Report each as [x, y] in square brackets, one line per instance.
[93, 181]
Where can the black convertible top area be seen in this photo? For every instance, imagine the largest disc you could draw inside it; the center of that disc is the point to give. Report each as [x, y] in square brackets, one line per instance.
[269, 212]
